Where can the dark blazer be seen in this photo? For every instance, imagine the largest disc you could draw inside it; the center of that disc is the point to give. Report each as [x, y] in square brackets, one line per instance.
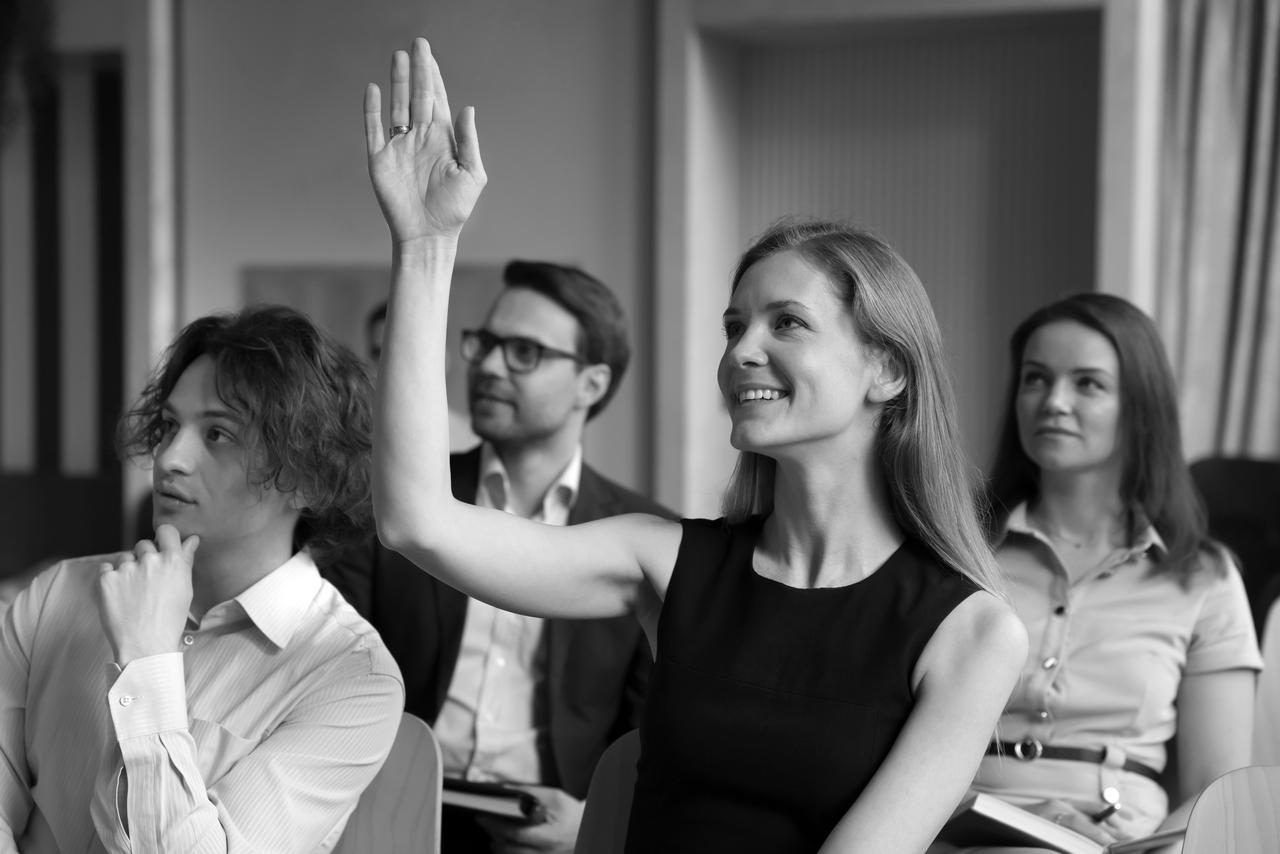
[597, 670]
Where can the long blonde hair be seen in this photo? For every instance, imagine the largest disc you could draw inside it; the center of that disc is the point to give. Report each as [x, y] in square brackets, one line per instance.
[931, 484]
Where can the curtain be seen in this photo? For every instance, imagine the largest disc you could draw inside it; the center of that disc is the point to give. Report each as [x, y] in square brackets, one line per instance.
[1218, 300]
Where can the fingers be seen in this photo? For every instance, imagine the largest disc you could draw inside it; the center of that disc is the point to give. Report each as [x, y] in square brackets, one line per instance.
[189, 546]
[501, 830]
[168, 538]
[430, 103]
[399, 88]
[469, 143]
[144, 548]
[374, 134]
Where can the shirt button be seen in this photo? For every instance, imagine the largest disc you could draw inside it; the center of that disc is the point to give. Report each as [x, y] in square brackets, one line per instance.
[500, 661]
[1050, 663]
[1060, 610]
[188, 640]
[1043, 715]
[126, 700]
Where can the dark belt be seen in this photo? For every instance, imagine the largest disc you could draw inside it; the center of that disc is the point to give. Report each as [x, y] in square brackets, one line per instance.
[1030, 749]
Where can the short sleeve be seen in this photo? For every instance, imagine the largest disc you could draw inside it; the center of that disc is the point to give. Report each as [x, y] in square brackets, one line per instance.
[1223, 637]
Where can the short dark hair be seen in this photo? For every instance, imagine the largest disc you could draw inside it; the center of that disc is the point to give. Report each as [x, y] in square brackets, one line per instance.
[1155, 481]
[602, 331]
[307, 397]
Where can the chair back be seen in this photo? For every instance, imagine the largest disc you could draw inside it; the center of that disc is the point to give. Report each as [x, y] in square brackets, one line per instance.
[608, 808]
[399, 813]
[1238, 813]
[1242, 497]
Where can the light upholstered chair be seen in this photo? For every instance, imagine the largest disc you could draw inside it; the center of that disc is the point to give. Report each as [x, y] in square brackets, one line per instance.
[604, 820]
[1238, 813]
[400, 811]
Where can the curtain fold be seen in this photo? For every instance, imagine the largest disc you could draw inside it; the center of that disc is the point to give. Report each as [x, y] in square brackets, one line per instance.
[1218, 304]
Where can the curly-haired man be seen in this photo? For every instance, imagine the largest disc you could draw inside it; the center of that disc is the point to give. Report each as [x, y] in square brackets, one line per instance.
[208, 691]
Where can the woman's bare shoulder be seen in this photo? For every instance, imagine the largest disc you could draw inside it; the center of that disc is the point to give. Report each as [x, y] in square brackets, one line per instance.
[983, 628]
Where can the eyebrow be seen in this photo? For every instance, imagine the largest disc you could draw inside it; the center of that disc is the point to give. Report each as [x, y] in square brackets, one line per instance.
[520, 337]
[775, 306]
[1085, 370]
[223, 414]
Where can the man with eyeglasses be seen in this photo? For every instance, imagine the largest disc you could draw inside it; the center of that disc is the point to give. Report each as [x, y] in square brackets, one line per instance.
[512, 698]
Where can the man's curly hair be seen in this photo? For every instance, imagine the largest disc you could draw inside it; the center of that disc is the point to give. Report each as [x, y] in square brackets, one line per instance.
[307, 398]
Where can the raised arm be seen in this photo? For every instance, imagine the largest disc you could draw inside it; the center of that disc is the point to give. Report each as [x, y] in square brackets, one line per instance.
[427, 180]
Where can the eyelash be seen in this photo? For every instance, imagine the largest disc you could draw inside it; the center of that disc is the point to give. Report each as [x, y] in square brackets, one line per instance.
[217, 435]
[1089, 383]
[733, 328]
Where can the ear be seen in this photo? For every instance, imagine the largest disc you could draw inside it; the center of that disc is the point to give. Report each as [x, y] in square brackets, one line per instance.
[593, 384]
[299, 500]
[890, 377]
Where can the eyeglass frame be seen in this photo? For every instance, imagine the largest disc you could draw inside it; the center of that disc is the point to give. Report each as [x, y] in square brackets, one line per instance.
[488, 340]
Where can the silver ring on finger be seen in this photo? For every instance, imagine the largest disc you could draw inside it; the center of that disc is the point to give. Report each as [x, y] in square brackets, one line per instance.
[397, 130]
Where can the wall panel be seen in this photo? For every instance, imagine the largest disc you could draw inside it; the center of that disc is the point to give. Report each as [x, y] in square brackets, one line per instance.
[971, 146]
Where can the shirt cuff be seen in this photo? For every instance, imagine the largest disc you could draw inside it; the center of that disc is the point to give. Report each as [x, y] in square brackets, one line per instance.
[149, 697]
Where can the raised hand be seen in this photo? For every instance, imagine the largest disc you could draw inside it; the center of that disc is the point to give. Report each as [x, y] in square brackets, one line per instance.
[143, 601]
[426, 178]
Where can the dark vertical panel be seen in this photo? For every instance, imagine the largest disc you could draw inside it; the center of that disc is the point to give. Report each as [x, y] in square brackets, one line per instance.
[2, 286]
[108, 120]
[48, 273]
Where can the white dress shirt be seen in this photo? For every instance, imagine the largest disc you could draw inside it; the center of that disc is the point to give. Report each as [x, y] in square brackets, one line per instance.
[256, 734]
[489, 726]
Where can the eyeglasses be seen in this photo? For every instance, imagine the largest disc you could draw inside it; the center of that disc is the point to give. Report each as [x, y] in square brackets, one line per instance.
[522, 355]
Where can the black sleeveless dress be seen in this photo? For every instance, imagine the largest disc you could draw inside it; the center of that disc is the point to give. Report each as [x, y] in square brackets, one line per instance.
[771, 707]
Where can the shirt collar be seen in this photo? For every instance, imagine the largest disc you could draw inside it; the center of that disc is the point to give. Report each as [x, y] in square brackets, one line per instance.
[1147, 538]
[277, 602]
[563, 490]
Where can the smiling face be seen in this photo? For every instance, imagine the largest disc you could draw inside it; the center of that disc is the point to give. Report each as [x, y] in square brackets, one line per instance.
[201, 477]
[516, 408]
[1068, 400]
[794, 369]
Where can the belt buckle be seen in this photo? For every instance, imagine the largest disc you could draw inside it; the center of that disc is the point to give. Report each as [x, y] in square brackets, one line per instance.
[1028, 749]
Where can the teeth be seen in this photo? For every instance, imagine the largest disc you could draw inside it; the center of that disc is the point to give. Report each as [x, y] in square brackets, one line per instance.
[760, 394]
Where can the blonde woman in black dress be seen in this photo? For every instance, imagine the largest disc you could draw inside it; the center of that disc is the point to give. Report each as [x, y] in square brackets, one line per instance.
[830, 657]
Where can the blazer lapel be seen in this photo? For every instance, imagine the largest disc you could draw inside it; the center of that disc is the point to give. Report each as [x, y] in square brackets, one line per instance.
[595, 501]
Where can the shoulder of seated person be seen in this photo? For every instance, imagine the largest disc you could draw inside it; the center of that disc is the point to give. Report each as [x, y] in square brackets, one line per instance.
[986, 621]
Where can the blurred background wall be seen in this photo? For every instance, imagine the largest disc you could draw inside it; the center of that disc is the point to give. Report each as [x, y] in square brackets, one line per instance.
[996, 143]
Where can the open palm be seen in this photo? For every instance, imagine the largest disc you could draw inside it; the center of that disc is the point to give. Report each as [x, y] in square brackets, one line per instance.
[427, 179]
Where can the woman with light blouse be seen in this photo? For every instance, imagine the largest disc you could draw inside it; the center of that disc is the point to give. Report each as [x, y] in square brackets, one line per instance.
[1140, 633]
